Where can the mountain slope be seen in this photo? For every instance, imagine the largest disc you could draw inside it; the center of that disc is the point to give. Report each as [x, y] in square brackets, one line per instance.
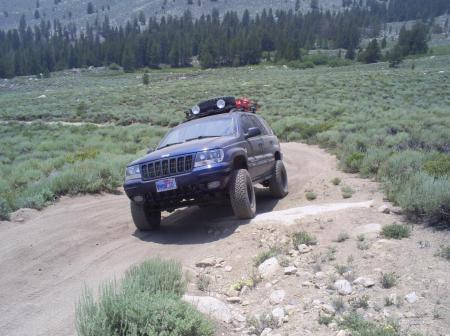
[120, 11]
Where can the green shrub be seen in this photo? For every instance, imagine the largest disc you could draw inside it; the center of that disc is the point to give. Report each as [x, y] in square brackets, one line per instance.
[439, 166]
[144, 304]
[264, 255]
[361, 302]
[317, 59]
[347, 192]
[303, 237]
[5, 209]
[146, 79]
[336, 181]
[138, 314]
[395, 231]
[203, 282]
[114, 67]
[373, 160]
[388, 280]
[444, 252]
[339, 62]
[343, 236]
[325, 319]
[310, 195]
[353, 162]
[156, 276]
[301, 65]
[360, 327]
[425, 194]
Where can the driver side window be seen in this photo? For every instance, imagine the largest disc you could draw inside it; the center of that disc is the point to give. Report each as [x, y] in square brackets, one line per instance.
[245, 123]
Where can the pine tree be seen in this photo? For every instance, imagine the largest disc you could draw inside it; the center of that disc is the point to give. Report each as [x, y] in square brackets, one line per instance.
[146, 79]
[90, 8]
[128, 59]
[372, 54]
[350, 54]
[142, 18]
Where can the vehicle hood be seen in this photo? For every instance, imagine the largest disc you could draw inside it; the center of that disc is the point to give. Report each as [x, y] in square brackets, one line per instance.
[186, 148]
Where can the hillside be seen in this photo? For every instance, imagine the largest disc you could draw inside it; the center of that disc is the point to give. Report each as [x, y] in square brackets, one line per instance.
[120, 11]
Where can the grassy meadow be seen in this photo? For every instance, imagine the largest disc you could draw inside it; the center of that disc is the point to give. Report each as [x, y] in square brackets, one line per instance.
[391, 124]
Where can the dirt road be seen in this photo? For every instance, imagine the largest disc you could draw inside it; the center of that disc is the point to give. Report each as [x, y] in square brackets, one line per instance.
[45, 261]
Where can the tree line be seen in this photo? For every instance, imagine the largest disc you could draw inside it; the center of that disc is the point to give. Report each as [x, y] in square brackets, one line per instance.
[227, 41]
[230, 40]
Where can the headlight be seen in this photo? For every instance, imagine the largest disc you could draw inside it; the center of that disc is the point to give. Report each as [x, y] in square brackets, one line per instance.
[132, 173]
[208, 157]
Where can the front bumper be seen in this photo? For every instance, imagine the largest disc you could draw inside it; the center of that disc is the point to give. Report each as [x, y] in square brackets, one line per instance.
[192, 188]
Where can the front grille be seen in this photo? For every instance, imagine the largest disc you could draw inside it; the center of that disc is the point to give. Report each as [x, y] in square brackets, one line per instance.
[166, 167]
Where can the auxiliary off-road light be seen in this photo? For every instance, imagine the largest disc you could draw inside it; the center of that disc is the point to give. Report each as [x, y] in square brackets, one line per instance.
[208, 157]
[221, 103]
[132, 173]
[195, 109]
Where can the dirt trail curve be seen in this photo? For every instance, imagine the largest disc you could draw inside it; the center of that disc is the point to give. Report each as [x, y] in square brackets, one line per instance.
[45, 261]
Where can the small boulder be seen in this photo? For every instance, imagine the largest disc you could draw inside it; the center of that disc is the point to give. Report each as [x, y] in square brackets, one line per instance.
[266, 332]
[397, 210]
[277, 296]
[384, 209]
[210, 306]
[207, 262]
[303, 248]
[234, 299]
[342, 333]
[269, 268]
[411, 297]
[366, 282]
[228, 268]
[290, 270]
[329, 309]
[343, 287]
[278, 313]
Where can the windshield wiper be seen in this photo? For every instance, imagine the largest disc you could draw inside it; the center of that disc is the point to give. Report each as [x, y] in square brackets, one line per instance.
[171, 144]
[202, 137]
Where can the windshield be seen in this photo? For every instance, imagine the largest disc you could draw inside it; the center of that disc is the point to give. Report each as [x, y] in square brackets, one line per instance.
[203, 128]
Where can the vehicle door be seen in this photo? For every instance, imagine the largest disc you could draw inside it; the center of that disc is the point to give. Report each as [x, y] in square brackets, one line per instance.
[256, 143]
[270, 146]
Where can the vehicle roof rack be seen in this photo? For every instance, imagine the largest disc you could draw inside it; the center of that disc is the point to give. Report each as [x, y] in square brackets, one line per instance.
[220, 105]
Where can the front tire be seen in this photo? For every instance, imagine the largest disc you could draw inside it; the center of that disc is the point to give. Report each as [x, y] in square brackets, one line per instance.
[143, 218]
[278, 183]
[242, 194]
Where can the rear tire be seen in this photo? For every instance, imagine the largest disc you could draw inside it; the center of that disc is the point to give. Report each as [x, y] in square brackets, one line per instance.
[278, 183]
[242, 194]
[143, 218]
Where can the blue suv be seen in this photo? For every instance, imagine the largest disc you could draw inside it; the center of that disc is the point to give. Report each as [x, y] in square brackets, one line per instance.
[218, 153]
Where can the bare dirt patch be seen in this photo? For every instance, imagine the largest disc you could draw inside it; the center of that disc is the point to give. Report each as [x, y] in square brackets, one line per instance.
[47, 258]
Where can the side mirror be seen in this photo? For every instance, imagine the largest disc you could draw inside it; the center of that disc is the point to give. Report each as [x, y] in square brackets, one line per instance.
[252, 132]
[150, 149]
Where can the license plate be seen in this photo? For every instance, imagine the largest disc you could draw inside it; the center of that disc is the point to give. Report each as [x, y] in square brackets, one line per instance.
[166, 184]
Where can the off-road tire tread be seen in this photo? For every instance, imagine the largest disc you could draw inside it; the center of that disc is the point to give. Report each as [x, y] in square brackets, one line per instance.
[240, 203]
[275, 183]
[144, 219]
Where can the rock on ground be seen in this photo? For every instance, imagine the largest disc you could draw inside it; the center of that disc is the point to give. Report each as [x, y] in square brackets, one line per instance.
[269, 268]
[276, 297]
[343, 287]
[411, 297]
[366, 282]
[210, 306]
